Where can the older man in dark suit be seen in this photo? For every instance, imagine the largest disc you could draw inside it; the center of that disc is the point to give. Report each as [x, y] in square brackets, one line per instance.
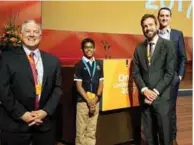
[153, 71]
[30, 89]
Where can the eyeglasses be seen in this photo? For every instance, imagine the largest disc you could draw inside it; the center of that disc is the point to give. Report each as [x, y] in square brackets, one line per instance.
[88, 47]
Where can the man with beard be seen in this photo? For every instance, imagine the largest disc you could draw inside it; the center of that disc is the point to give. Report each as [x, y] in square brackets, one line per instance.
[165, 31]
[30, 89]
[153, 71]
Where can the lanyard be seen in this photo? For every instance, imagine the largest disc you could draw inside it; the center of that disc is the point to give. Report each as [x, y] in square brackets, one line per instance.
[94, 69]
[35, 63]
[93, 72]
[149, 56]
[149, 53]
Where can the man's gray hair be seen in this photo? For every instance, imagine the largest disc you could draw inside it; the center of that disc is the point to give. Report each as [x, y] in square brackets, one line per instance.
[30, 21]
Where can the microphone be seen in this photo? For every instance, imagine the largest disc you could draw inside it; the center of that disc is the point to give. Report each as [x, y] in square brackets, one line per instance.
[104, 44]
[105, 48]
[108, 49]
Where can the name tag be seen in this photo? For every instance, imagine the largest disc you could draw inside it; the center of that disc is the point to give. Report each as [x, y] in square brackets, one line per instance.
[91, 95]
[38, 89]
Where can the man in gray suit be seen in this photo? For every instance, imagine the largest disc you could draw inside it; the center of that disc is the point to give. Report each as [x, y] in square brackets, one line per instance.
[153, 70]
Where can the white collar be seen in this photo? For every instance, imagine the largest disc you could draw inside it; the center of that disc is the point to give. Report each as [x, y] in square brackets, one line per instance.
[167, 29]
[88, 60]
[28, 51]
[154, 40]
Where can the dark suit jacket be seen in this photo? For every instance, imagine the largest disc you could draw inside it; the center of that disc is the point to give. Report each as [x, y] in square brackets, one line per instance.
[17, 91]
[177, 37]
[160, 74]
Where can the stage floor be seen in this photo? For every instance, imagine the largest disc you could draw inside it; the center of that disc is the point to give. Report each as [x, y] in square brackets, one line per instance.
[184, 117]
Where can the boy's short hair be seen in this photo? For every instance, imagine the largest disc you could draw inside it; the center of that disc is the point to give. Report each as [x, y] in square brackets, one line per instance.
[87, 40]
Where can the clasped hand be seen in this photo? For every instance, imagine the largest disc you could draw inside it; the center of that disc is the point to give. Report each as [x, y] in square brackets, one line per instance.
[92, 104]
[34, 117]
[150, 96]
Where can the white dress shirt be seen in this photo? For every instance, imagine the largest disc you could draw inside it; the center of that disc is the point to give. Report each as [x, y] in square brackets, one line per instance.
[165, 33]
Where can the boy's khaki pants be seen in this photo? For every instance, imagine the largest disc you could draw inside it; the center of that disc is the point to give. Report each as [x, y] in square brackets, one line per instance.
[85, 125]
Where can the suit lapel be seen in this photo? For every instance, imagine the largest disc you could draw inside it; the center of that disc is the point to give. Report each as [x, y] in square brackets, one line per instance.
[144, 53]
[45, 68]
[25, 63]
[171, 34]
[157, 50]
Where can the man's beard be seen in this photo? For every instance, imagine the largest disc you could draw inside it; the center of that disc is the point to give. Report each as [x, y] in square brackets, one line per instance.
[152, 36]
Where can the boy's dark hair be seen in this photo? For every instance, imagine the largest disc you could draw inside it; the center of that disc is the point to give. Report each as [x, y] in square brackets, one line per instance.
[87, 40]
[148, 16]
[165, 8]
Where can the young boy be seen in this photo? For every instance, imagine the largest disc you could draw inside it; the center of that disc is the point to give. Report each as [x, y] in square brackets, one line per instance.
[89, 84]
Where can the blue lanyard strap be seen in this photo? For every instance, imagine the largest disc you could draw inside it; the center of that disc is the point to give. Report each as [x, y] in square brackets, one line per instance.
[93, 73]
[94, 69]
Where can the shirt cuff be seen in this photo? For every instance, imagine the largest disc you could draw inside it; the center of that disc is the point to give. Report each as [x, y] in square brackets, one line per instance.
[101, 79]
[156, 91]
[78, 80]
[143, 89]
[180, 78]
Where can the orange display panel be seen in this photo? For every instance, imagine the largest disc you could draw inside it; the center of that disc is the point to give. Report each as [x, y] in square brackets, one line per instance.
[119, 89]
